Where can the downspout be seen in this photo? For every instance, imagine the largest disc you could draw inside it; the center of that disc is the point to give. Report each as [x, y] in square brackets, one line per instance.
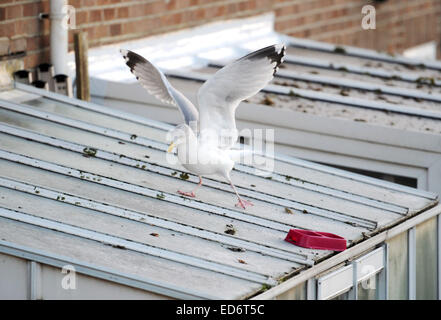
[58, 35]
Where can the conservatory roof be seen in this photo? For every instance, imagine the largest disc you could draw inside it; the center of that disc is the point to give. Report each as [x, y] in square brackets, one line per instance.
[89, 185]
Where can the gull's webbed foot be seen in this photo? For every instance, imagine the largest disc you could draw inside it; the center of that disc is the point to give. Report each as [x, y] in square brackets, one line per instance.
[188, 194]
[244, 203]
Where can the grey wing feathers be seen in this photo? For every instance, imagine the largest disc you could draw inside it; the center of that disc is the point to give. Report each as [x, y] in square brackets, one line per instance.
[149, 76]
[221, 94]
[244, 77]
[157, 84]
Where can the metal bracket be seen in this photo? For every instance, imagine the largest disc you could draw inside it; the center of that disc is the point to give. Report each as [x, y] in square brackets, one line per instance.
[43, 15]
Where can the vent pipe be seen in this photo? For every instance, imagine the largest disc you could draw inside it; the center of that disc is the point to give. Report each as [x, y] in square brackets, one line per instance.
[59, 35]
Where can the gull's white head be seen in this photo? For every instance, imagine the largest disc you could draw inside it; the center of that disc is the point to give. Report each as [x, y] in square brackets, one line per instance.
[179, 135]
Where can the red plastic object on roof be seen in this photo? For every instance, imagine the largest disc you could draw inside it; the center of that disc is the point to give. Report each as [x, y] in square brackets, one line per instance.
[316, 240]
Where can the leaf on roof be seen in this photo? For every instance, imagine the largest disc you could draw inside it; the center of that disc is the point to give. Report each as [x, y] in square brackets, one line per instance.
[184, 176]
[229, 229]
[90, 152]
[160, 196]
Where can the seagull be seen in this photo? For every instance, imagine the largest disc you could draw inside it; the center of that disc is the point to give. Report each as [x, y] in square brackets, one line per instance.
[204, 141]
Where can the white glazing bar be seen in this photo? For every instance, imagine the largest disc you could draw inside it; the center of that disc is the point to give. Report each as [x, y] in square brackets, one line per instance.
[356, 177]
[438, 222]
[355, 84]
[352, 101]
[52, 117]
[94, 107]
[412, 262]
[311, 289]
[34, 280]
[362, 70]
[359, 52]
[353, 293]
[329, 191]
[383, 276]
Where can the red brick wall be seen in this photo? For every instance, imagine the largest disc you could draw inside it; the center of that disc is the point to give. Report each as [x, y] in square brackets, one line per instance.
[400, 23]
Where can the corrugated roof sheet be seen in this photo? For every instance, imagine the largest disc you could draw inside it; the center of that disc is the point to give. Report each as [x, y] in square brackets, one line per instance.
[90, 185]
[336, 84]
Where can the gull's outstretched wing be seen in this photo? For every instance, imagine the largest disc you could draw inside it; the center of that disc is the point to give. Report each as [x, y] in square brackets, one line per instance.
[157, 84]
[220, 95]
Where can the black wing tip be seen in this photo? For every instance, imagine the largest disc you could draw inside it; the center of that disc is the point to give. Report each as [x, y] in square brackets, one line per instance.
[274, 53]
[277, 54]
[132, 58]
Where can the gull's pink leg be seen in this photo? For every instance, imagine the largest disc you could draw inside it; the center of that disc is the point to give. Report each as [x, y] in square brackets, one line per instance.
[192, 193]
[242, 203]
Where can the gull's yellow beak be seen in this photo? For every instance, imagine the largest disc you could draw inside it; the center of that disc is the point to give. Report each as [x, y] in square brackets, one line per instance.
[171, 147]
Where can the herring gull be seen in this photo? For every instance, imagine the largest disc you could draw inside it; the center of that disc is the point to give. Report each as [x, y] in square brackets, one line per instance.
[204, 142]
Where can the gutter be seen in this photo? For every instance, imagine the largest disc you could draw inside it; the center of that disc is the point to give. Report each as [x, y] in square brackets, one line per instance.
[329, 263]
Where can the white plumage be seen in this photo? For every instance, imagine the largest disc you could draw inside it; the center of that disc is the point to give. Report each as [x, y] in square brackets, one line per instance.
[208, 151]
